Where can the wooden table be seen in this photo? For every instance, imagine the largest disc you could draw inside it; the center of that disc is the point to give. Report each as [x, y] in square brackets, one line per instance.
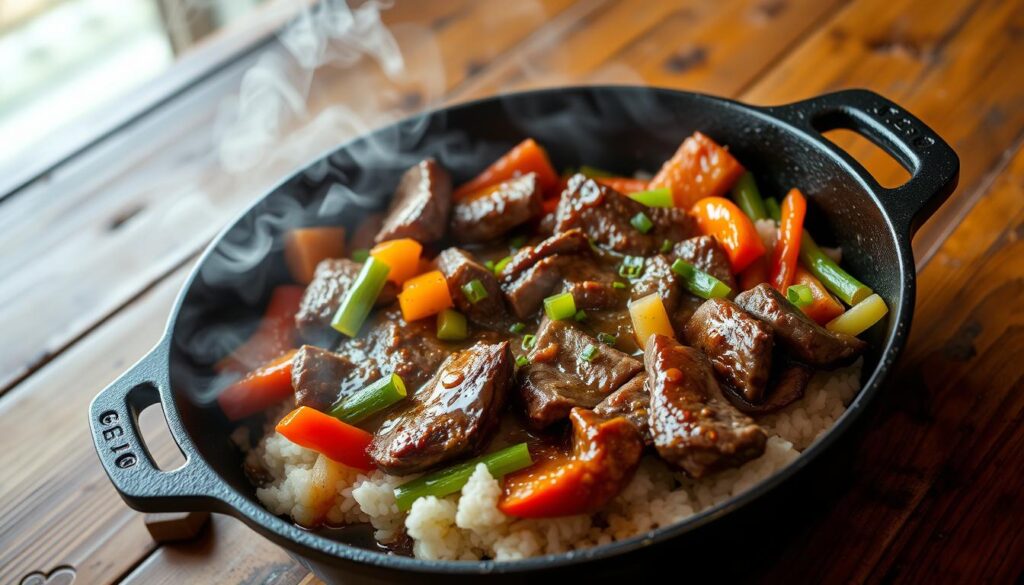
[94, 251]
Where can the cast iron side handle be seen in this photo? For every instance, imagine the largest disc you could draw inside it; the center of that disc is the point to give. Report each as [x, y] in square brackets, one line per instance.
[933, 166]
[114, 419]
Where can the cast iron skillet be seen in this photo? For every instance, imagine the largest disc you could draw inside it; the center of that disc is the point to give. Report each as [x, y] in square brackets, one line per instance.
[619, 128]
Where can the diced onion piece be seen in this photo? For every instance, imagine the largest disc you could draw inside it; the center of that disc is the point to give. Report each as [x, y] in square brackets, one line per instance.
[424, 295]
[860, 317]
[649, 317]
[359, 299]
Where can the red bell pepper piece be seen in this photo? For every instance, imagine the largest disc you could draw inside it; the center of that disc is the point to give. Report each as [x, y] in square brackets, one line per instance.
[275, 334]
[787, 249]
[526, 157]
[327, 435]
[259, 390]
[719, 217]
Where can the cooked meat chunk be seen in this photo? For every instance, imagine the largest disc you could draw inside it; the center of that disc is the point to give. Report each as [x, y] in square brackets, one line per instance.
[419, 208]
[320, 377]
[526, 292]
[323, 296]
[569, 242]
[658, 278]
[559, 378]
[633, 401]
[609, 449]
[785, 388]
[692, 426]
[707, 254]
[452, 416]
[592, 285]
[389, 344]
[366, 231]
[604, 215]
[738, 345]
[460, 269]
[805, 340]
[490, 214]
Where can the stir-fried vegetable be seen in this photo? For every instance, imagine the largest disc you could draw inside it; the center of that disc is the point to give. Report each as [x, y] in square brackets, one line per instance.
[304, 248]
[800, 295]
[448, 481]
[589, 353]
[370, 400]
[359, 299]
[628, 186]
[451, 325]
[654, 198]
[560, 306]
[402, 256]
[526, 157]
[771, 207]
[837, 280]
[424, 295]
[274, 335]
[860, 317]
[649, 317]
[341, 442]
[642, 223]
[787, 248]
[732, 228]
[607, 338]
[360, 255]
[501, 264]
[700, 168]
[259, 390]
[474, 291]
[517, 328]
[699, 282]
[823, 307]
[748, 197]
[632, 267]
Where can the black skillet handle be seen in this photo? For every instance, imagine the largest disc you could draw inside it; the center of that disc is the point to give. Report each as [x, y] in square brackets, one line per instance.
[933, 166]
[114, 420]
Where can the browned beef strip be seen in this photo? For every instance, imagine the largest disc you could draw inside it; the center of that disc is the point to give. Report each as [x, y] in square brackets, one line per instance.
[490, 214]
[568, 242]
[604, 215]
[707, 254]
[419, 208]
[738, 345]
[558, 378]
[692, 426]
[658, 277]
[592, 284]
[331, 280]
[390, 345]
[633, 401]
[805, 340]
[318, 376]
[610, 450]
[526, 291]
[452, 416]
[460, 269]
[786, 387]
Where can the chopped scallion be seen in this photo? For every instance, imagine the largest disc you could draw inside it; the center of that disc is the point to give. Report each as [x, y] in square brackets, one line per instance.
[360, 255]
[666, 245]
[800, 295]
[581, 315]
[589, 353]
[474, 291]
[632, 267]
[560, 306]
[619, 285]
[489, 265]
[501, 264]
[529, 340]
[642, 223]
[607, 338]
[835, 279]
[448, 481]
[522, 361]
[771, 206]
[654, 198]
[358, 301]
[372, 399]
[748, 197]
[517, 328]
[699, 282]
[451, 326]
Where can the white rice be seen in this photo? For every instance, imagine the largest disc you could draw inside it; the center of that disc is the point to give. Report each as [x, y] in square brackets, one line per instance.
[469, 525]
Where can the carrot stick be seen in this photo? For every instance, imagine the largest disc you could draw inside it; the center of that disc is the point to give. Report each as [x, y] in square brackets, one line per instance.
[526, 157]
[700, 168]
[787, 249]
[338, 441]
[259, 390]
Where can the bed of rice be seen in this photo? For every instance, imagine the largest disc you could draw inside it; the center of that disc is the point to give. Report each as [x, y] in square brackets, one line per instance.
[469, 526]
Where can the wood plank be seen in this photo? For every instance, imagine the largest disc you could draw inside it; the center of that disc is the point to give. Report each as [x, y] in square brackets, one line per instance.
[60, 233]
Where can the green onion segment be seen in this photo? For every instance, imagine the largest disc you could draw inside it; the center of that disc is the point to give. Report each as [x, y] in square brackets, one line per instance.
[448, 481]
[560, 306]
[359, 299]
[699, 282]
[370, 400]
[451, 325]
[654, 197]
